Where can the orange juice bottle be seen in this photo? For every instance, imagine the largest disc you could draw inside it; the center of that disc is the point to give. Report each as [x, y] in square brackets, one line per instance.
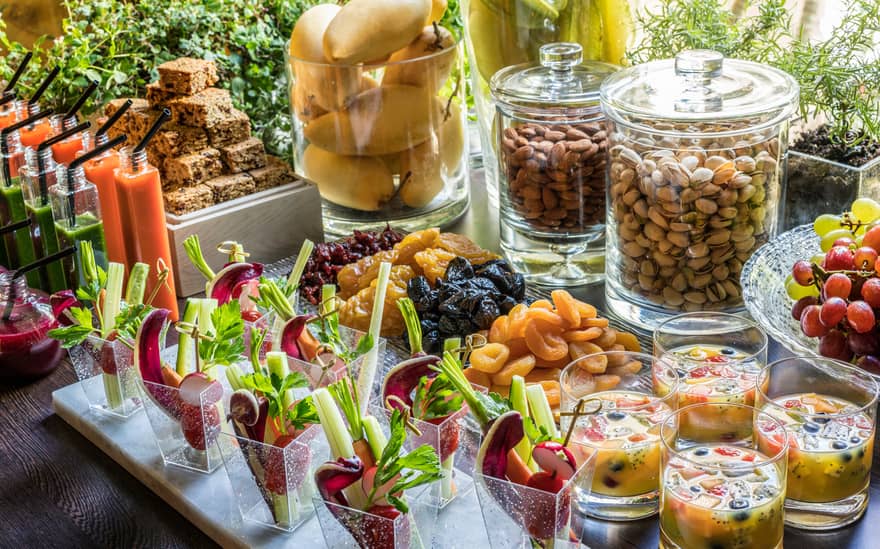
[34, 134]
[100, 171]
[142, 220]
[67, 150]
[8, 111]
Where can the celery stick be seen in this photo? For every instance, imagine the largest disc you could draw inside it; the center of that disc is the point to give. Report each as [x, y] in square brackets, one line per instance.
[375, 437]
[337, 434]
[112, 297]
[452, 345]
[368, 370]
[281, 510]
[194, 252]
[233, 375]
[277, 363]
[137, 284]
[305, 252]
[447, 469]
[112, 390]
[184, 341]
[520, 403]
[328, 292]
[206, 308]
[540, 409]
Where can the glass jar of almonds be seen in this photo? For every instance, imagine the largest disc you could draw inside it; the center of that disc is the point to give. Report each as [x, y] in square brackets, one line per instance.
[552, 146]
[696, 165]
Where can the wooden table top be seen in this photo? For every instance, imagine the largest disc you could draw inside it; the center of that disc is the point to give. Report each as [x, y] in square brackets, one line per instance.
[58, 490]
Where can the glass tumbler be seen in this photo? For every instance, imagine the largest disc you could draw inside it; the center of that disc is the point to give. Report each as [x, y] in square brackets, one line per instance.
[621, 425]
[829, 410]
[718, 488]
[718, 357]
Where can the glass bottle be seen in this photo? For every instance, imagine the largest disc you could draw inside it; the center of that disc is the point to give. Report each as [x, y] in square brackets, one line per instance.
[36, 179]
[77, 212]
[25, 349]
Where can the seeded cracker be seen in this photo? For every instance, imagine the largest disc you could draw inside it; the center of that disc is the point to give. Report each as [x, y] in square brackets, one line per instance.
[247, 155]
[187, 76]
[228, 187]
[193, 168]
[184, 200]
[202, 110]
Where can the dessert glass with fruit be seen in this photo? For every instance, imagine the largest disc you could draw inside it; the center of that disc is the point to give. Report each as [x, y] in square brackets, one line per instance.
[718, 357]
[829, 410]
[622, 427]
[718, 488]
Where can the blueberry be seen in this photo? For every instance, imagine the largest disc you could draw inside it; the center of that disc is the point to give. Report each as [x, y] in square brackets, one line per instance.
[738, 503]
[811, 427]
[616, 416]
[609, 482]
[727, 351]
[701, 452]
[855, 440]
[821, 420]
[681, 373]
[741, 516]
[615, 466]
[847, 457]
[695, 489]
[839, 445]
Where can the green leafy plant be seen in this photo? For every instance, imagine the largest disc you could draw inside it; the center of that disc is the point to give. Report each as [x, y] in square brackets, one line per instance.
[837, 76]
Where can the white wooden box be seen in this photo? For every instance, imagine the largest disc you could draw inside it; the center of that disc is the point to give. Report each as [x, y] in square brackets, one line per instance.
[271, 225]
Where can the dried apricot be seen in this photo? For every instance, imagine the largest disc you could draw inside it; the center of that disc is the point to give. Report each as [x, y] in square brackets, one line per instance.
[552, 391]
[593, 322]
[517, 347]
[518, 318]
[414, 243]
[586, 310]
[542, 374]
[498, 333]
[606, 382]
[629, 341]
[517, 367]
[586, 334]
[577, 349]
[585, 386]
[490, 358]
[547, 320]
[617, 359]
[567, 308]
[357, 310]
[541, 304]
[585, 354]
[607, 339]
[627, 368]
[544, 344]
[354, 277]
[433, 263]
[477, 377]
[559, 364]
[503, 390]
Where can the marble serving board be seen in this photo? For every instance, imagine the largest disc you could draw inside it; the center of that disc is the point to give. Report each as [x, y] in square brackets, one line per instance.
[207, 500]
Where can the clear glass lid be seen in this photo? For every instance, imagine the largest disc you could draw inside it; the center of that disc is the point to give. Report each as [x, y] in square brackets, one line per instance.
[700, 86]
[562, 79]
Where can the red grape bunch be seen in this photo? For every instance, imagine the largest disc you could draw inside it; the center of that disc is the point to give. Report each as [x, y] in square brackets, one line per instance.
[838, 292]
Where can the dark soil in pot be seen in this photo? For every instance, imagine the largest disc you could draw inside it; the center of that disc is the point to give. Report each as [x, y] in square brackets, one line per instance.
[816, 187]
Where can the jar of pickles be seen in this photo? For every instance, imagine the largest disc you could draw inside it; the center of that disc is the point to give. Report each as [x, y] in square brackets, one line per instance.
[697, 148]
[552, 146]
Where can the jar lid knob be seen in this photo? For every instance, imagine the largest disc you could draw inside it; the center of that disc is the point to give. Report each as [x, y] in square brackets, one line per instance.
[698, 68]
[561, 57]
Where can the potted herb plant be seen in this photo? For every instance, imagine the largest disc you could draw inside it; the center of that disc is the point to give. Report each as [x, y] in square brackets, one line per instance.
[835, 152]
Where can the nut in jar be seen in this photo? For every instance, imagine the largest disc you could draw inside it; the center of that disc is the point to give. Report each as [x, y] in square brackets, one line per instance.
[695, 168]
[552, 154]
[377, 113]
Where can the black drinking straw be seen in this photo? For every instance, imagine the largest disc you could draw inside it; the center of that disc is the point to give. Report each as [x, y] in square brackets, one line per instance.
[14, 226]
[163, 117]
[43, 87]
[81, 101]
[79, 161]
[51, 258]
[41, 168]
[18, 72]
[4, 142]
[7, 97]
[113, 119]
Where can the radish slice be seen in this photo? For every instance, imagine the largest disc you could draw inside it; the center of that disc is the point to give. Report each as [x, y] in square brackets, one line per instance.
[60, 302]
[147, 349]
[404, 378]
[244, 407]
[333, 477]
[555, 458]
[195, 385]
[228, 283]
[290, 335]
[249, 289]
[505, 433]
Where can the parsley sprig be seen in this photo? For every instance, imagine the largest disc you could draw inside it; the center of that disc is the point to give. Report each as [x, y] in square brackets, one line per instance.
[274, 388]
[224, 344]
[435, 398]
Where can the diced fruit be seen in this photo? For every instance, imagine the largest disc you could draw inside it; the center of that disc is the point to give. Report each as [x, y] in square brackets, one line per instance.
[200, 429]
[548, 482]
[555, 458]
[197, 388]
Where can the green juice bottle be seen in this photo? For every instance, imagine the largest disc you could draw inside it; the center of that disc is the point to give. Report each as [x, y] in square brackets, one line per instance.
[77, 214]
[17, 246]
[35, 186]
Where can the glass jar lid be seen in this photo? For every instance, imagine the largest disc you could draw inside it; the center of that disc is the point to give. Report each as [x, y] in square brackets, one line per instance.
[700, 85]
[562, 79]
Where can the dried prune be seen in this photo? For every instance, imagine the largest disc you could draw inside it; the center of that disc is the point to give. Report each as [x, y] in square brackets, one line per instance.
[500, 263]
[459, 270]
[517, 285]
[486, 313]
[506, 303]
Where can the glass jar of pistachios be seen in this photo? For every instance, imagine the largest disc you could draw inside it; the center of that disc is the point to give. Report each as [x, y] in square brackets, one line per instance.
[697, 148]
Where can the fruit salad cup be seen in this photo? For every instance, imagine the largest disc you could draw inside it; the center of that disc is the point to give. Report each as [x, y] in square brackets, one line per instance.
[107, 375]
[829, 410]
[519, 516]
[721, 491]
[718, 357]
[622, 427]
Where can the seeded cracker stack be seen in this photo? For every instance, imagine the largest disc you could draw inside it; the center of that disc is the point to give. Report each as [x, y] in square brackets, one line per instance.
[206, 154]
